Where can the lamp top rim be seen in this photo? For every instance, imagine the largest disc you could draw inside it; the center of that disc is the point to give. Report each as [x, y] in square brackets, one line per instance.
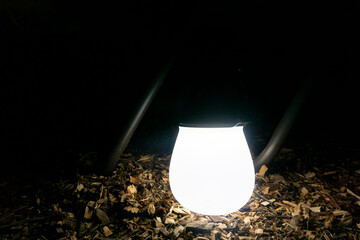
[212, 125]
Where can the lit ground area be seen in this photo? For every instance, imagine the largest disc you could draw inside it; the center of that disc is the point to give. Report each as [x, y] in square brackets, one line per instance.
[306, 193]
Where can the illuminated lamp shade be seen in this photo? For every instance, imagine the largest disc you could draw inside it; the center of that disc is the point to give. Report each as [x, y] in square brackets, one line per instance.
[211, 169]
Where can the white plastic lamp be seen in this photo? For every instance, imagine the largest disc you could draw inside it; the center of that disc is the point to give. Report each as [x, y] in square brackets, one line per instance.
[211, 169]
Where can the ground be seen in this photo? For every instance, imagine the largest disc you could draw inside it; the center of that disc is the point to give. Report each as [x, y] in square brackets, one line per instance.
[307, 192]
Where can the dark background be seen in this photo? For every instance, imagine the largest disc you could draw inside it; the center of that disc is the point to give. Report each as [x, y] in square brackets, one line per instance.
[73, 73]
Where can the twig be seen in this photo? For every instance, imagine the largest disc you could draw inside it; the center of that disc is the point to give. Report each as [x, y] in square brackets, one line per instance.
[350, 229]
[278, 216]
[22, 221]
[267, 200]
[262, 197]
[100, 225]
[43, 237]
[11, 213]
[90, 230]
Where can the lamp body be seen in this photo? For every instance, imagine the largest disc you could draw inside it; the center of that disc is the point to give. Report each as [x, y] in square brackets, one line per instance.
[211, 169]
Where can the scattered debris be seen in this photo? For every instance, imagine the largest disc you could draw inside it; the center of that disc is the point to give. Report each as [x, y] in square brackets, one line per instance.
[136, 203]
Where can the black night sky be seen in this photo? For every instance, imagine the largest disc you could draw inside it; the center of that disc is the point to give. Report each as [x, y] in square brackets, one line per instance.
[72, 74]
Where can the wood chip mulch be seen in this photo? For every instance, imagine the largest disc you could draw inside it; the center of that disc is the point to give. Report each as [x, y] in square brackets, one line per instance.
[136, 203]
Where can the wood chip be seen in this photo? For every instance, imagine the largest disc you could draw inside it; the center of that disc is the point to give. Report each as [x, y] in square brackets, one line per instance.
[265, 190]
[294, 205]
[107, 231]
[310, 175]
[316, 209]
[96, 184]
[304, 191]
[88, 213]
[296, 202]
[262, 170]
[352, 194]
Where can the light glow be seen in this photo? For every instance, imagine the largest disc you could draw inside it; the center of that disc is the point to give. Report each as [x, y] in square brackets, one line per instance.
[211, 169]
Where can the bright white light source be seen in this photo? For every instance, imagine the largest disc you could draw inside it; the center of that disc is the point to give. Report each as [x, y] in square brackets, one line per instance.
[211, 170]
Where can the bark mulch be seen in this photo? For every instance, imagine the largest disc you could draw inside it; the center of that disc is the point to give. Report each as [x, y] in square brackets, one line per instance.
[294, 200]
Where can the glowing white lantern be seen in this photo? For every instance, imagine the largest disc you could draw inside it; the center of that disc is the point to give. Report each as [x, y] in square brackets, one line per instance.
[211, 169]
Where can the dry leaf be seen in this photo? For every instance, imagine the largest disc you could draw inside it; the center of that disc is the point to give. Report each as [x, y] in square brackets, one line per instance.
[123, 197]
[159, 225]
[181, 210]
[252, 232]
[222, 226]
[247, 220]
[144, 235]
[107, 231]
[102, 216]
[276, 178]
[164, 231]
[307, 197]
[169, 221]
[294, 222]
[178, 230]
[346, 218]
[339, 212]
[306, 210]
[296, 211]
[79, 187]
[200, 225]
[304, 191]
[309, 234]
[112, 198]
[131, 190]
[73, 237]
[134, 180]
[132, 209]
[151, 209]
[328, 221]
